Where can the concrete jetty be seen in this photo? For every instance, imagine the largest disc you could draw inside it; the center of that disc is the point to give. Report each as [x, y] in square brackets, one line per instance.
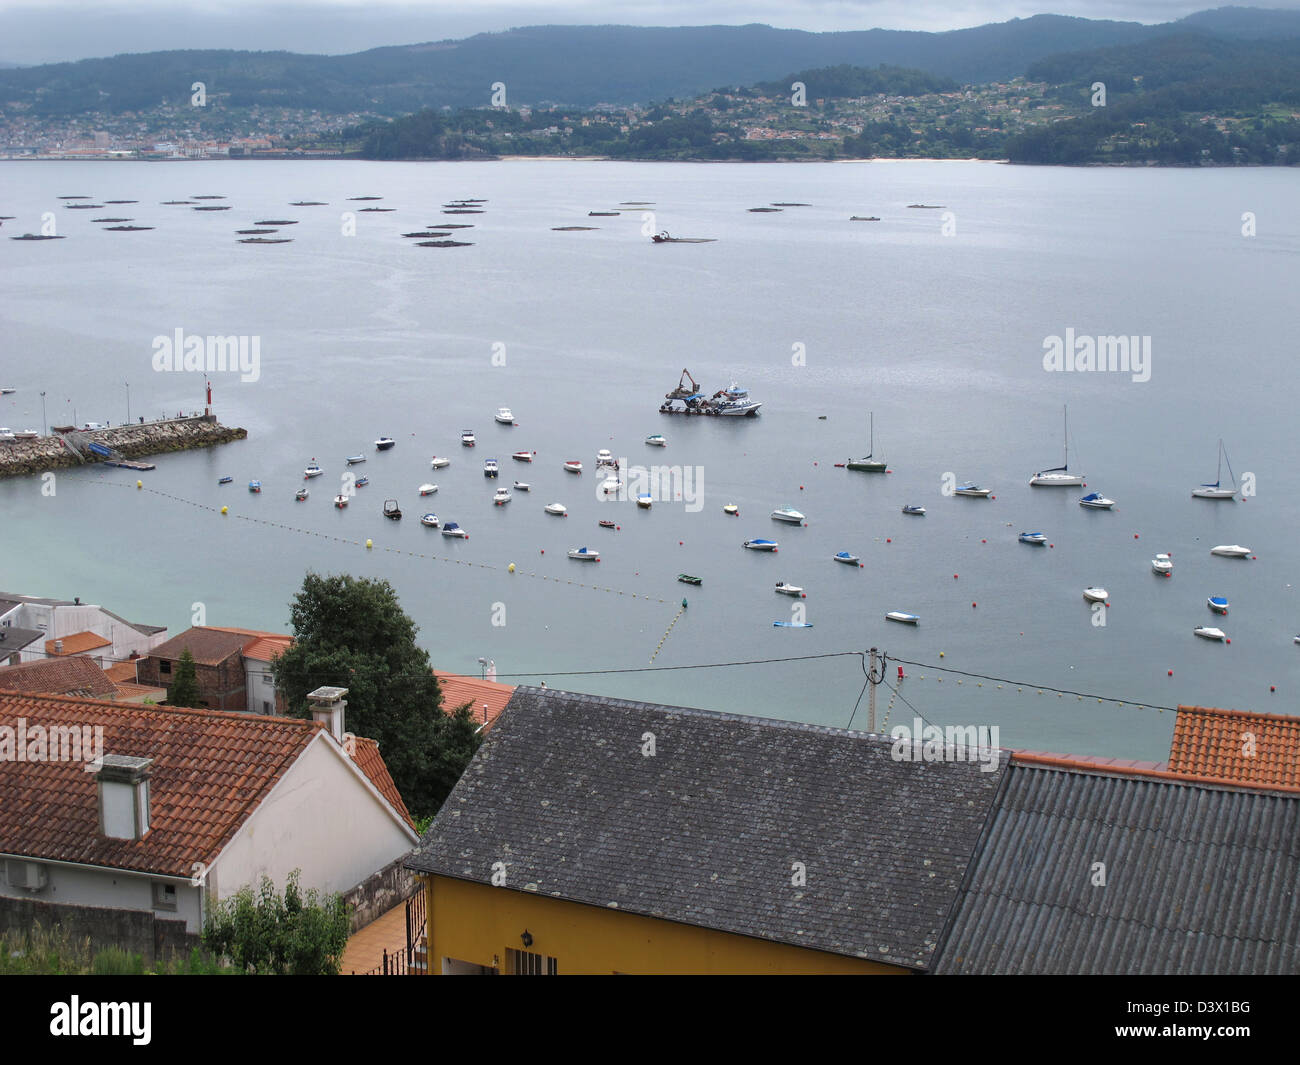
[66, 450]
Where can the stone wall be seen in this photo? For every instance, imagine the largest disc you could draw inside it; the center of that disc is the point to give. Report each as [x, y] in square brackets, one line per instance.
[380, 892]
[19, 457]
[131, 930]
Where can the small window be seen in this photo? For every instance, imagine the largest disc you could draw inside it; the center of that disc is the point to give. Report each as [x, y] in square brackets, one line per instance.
[164, 666]
[164, 896]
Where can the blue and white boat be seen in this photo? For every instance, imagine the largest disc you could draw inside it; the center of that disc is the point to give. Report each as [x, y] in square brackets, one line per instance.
[455, 531]
[225, 480]
[792, 624]
[973, 490]
[1033, 538]
[914, 510]
[761, 545]
[848, 558]
[1216, 490]
[313, 470]
[431, 520]
[254, 486]
[1096, 501]
[385, 443]
[585, 554]
[1218, 603]
[361, 482]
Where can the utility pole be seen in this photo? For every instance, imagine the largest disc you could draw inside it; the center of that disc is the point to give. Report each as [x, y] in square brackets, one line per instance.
[44, 420]
[872, 681]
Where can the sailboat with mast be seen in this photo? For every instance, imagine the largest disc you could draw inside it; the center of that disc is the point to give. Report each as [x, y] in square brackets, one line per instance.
[1216, 490]
[1059, 476]
[868, 464]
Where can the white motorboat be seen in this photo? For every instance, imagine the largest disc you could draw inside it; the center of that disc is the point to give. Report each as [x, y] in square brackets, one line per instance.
[1218, 603]
[312, 471]
[355, 460]
[644, 500]
[1096, 501]
[428, 489]
[790, 589]
[467, 438]
[585, 554]
[972, 489]
[1231, 551]
[340, 501]
[501, 497]
[431, 520]
[451, 529]
[490, 468]
[847, 557]
[504, 416]
[573, 466]
[604, 457]
[1059, 476]
[914, 510]
[1162, 564]
[558, 509]
[1209, 632]
[1033, 538]
[522, 486]
[385, 443]
[7, 433]
[902, 617]
[761, 545]
[788, 514]
[301, 494]
[27, 434]
[1096, 594]
[731, 509]
[439, 463]
[656, 440]
[1217, 490]
[522, 456]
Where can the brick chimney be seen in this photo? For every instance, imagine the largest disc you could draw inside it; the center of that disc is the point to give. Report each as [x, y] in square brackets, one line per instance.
[124, 796]
[327, 708]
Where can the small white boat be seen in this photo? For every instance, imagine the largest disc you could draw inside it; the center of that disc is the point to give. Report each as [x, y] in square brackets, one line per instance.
[558, 509]
[585, 554]
[301, 494]
[1218, 603]
[847, 557]
[431, 520]
[610, 484]
[312, 471]
[1209, 632]
[439, 463]
[1231, 551]
[902, 617]
[656, 441]
[644, 500]
[761, 545]
[1096, 595]
[1162, 564]
[604, 457]
[490, 468]
[340, 501]
[914, 510]
[354, 460]
[731, 509]
[7, 434]
[467, 438]
[974, 490]
[1033, 538]
[1059, 476]
[504, 416]
[27, 434]
[385, 443]
[522, 456]
[573, 466]
[1096, 501]
[428, 489]
[453, 530]
[787, 514]
[522, 486]
[790, 589]
[1217, 490]
[501, 497]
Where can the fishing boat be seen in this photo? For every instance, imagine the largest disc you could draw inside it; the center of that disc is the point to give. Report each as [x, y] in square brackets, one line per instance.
[558, 509]
[301, 494]
[607, 525]
[761, 545]
[523, 486]
[687, 578]
[902, 617]
[454, 531]
[731, 509]
[605, 457]
[792, 590]
[847, 557]
[1096, 594]
[573, 466]
[467, 438]
[974, 490]
[1209, 632]
[585, 554]
[225, 480]
[490, 468]
[657, 440]
[385, 443]
[340, 501]
[361, 482]
[391, 509]
[734, 402]
[644, 500]
[522, 456]
[1218, 603]
[1163, 565]
[868, 464]
[254, 486]
[439, 463]
[1231, 551]
[1033, 538]
[1216, 490]
[504, 416]
[787, 514]
[431, 520]
[353, 460]
[1059, 476]
[501, 497]
[1096, 501]
[914, 510]
[428, 489]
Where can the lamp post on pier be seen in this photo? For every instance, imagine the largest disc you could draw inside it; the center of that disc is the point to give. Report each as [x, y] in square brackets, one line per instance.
[128, 401]
[44, 421]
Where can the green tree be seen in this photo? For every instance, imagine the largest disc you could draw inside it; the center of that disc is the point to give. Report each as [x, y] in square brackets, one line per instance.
[184, 688]
[352, 633]
[297, 934]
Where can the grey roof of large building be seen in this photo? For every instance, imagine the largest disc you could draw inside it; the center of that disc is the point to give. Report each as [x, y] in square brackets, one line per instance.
[1198, 879]
[9, 600]
[14, 639]
[707, 831]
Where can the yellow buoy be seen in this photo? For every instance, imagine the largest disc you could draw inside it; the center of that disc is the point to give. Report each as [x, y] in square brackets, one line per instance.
[511, 567]
[369, 544]
[139, 484]
[225, 510]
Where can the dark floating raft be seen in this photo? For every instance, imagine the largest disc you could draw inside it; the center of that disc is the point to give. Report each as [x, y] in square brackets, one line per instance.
[452, 225]
[927, 206]
[765, 210]
[376, 210]
[636, 203]
[177, 203]
[602, 214]
[444, 244]
[276, 222]
[574, 229]
[36, 236]
[462, 210]
[112, 219]
[83, 206]
[365, 197]
[72, 197]
[309, 203]
[433, 234]
[792, 205]
[266, 240]
[126, 229]
[223, 207]
[209, 197]
[864, 218]
[254, 232]
[121, 201]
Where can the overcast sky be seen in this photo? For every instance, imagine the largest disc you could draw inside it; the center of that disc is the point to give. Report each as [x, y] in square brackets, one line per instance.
[42, 31]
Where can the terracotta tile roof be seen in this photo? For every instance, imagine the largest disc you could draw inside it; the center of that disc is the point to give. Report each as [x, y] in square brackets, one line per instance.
[211, 769]
[210, 647]
[76, 644]
[266, 648]
[1236, 746]
[366, 754]
[65, 675]
[122, 672]
[129, 691]
[458, 690]
[1092, 761]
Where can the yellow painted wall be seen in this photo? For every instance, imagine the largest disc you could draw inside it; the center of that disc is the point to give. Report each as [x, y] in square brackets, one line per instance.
[476, 923]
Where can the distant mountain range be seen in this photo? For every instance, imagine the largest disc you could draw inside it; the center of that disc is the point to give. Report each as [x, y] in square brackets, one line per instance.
[582, 66]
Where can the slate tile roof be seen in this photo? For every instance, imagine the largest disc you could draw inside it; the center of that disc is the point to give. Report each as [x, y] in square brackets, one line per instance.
[707, 830]
[458, 690]
[15, 639]
[1199, 878]
[68, 675]
[210, 647]
[1237, 746]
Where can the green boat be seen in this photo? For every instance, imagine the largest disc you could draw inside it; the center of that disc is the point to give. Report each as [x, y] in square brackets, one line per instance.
[686, 578]
[868, 464]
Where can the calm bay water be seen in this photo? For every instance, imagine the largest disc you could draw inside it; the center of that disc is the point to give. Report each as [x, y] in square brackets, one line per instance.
[940, 335]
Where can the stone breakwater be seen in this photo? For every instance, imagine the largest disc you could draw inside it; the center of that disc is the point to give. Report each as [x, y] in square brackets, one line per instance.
[22, 457]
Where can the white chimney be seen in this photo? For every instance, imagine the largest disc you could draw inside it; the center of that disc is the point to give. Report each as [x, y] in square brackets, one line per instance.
[124, 796]
[58, 647]
[327, 707]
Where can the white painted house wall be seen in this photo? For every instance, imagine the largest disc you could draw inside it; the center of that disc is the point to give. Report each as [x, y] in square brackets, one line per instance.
[58, 620]
[259, 686]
